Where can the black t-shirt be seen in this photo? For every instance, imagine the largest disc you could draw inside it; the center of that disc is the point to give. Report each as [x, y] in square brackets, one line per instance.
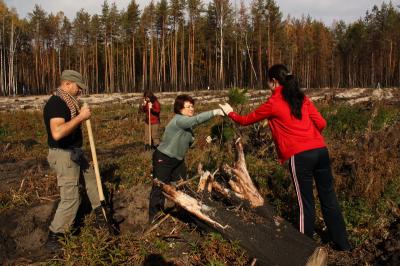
[56, 107]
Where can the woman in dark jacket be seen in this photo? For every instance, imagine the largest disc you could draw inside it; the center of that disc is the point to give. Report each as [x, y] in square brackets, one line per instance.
[296, 127]
[168, 158]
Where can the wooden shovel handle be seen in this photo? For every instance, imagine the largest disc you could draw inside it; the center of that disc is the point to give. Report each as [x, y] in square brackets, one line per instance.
[94, 157]
[149, 126]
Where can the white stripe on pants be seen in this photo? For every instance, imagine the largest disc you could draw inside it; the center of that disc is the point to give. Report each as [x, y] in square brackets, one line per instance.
[298, 192]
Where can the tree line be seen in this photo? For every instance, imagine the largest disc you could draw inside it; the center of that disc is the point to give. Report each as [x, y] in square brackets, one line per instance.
[189, 45]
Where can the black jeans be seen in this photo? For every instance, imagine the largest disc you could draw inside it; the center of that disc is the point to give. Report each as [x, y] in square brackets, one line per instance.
[305, 167]
[165, 169]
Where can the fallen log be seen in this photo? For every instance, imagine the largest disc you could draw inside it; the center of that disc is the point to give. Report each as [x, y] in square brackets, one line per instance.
[271, 241]
[251, 221]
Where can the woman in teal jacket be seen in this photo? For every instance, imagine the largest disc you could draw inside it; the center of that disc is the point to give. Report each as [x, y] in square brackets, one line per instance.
[168, 158]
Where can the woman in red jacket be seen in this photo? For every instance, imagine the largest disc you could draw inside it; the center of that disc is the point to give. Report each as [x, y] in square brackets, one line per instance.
[151, 103]
[296, 127]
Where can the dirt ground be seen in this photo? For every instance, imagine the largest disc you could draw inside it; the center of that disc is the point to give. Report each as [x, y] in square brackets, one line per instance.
[24, 230]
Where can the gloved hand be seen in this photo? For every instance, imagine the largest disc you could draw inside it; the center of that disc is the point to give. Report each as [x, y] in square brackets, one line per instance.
[226, 108]
[218, 112]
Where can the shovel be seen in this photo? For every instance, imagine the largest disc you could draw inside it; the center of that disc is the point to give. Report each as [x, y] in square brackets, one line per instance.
[150, 128]
[103, 203]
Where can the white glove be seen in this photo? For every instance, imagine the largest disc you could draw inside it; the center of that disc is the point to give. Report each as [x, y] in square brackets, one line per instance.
[226, 108]
[218, 112]
[208, 139]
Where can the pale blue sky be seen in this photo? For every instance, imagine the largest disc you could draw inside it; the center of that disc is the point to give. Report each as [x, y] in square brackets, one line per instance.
[325, 10]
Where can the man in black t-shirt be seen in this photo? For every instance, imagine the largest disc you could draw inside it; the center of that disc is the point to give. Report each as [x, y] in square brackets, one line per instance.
[63, 117]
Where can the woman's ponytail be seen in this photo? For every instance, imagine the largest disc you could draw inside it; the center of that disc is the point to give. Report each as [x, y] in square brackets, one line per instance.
[291, 91]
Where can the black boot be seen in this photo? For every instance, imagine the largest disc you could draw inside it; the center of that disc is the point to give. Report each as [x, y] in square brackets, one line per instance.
[53, 243]
[101, 221]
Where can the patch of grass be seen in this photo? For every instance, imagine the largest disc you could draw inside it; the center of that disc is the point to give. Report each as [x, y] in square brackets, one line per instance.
[215, 250]
[194, 247]
[161, 245]
[259, 169]
[362, 217]
[4, 202]
[357, 213]
[15, 198]
[92, 247]
[385, 117]
[390, 200]
[215, 263]
[131, 168]
[345, 121]
[3, 132]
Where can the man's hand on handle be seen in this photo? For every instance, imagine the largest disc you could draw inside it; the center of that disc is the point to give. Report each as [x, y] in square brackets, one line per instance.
[85, 112]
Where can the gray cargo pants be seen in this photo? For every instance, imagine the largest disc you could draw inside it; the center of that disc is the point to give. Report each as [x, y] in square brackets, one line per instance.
[68, 176]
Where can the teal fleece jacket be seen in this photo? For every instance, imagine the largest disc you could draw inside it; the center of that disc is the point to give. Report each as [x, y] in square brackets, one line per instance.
[178, 134]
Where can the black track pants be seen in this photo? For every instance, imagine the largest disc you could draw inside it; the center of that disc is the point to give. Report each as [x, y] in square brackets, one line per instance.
[165, 169]
[315, 165]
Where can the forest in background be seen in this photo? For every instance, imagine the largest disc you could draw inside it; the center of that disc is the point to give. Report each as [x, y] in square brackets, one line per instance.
[190, 45]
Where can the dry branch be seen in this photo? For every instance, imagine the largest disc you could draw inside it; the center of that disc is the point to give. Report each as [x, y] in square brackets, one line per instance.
[188, 203]
[226, 192]
[203, 181]
[242, 184]
[156, 225]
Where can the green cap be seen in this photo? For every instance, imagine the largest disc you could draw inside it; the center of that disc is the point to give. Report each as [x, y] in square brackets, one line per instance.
[72, 75]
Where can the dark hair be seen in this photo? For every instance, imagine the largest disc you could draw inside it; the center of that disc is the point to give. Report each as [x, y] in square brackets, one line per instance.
[150, 95]
[291, 91]
[179, 103]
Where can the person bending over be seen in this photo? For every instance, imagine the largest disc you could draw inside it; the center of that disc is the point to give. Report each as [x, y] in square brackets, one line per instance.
[168, 158]
[296, 127]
